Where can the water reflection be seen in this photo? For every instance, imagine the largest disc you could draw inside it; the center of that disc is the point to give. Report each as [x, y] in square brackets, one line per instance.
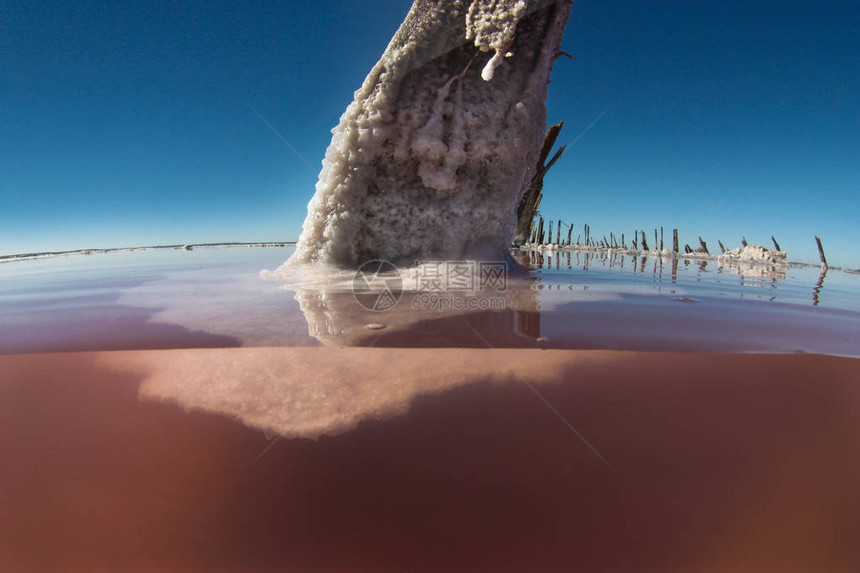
[508, 316]
[741, 279]
[641, 263]
[816, 292]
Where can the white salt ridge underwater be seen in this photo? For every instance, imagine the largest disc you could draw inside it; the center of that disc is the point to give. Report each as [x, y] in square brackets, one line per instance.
[430, 159]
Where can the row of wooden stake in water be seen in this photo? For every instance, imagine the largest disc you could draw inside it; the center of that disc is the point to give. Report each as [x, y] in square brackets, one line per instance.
[539, 236]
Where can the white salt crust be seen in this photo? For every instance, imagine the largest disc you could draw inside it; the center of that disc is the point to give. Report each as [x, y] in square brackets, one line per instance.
[430, 160]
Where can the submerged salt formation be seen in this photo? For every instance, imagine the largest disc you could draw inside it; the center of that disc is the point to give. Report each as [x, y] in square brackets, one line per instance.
[306, 392]
[431, 158]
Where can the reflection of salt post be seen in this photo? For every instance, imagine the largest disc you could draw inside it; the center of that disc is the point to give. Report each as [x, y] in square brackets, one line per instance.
[429, 144]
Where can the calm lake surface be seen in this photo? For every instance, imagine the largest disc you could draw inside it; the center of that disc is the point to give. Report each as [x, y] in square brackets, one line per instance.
[172, 410]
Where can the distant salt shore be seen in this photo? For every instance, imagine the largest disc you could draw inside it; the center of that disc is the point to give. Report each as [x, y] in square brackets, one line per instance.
[186, 247]
[755, 256]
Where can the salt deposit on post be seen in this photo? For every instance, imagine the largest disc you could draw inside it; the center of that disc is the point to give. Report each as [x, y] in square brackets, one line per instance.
[431, 157]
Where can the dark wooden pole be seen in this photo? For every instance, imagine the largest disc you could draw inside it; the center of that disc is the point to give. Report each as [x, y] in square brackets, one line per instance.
[775, 244]
[821, 252]
[530, 201]
[704, 246]
[675, 240]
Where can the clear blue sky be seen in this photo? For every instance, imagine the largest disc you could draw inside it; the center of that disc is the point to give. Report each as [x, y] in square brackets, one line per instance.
[128, 123]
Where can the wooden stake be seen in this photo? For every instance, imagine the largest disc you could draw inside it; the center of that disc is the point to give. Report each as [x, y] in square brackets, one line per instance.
[528, 206]
[661, 238]
[744, 241]
[675, 240]
[722, 248]
[644, 242]
[558, 233]
[569, 233]
[821, 252]
[704, 246]
[775, 244]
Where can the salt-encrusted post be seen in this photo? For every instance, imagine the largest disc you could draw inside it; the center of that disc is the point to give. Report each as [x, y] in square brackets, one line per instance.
[644, 242]
[558, 233]
[674, 240]
[775, 244]
[821, 252]
[661, 238]
[549, 235]
[722, 248]
[704, 246]
[403, 142]
[744, 241]
[569, 233]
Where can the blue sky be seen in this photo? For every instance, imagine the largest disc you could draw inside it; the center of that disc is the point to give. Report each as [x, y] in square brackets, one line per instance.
[140, 123]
